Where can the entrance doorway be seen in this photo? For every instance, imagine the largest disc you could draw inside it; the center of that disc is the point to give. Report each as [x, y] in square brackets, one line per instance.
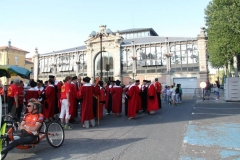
[107, 64]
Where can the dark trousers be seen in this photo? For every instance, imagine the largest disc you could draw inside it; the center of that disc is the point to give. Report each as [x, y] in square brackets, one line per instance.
[126, 107]
[159, 99]
[10, 103]
[25, 138]
[19, 110]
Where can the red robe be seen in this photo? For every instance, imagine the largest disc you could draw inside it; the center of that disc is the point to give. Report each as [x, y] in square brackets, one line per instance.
[132, 100]
[139, 102]
[102, 101]
[152, 102]
[58, 92]
[49, 102]
[117, 93]
[85, 94]
[30, 94]
[73, 101]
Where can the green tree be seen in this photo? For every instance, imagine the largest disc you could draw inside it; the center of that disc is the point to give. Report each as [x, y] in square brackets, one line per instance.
[223, 30]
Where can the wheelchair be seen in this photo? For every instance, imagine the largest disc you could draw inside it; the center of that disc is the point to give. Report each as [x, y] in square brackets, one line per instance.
[53, 131]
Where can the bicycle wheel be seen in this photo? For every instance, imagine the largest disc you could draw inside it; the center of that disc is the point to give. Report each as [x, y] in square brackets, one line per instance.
[55, 134]
[4, 142]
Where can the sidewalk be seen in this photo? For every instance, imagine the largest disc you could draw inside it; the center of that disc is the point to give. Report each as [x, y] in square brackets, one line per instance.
[212, 99]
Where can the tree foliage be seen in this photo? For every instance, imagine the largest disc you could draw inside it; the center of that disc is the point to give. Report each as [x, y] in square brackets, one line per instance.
[223, 29]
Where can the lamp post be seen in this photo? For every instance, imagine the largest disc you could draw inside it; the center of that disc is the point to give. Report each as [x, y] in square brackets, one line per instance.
[101, 34]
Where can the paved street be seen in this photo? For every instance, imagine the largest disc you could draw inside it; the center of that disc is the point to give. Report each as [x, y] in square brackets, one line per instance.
[192, 130]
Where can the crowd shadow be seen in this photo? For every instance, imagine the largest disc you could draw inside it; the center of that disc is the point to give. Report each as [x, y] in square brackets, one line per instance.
[86, 146]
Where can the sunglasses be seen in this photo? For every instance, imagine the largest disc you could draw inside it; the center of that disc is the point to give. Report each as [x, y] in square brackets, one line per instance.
[29, 106]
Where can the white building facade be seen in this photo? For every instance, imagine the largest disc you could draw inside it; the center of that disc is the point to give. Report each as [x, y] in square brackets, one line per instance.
[135, 53]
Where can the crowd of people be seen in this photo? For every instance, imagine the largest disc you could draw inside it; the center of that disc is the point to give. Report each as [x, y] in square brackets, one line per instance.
[65, 97]
[172, 94]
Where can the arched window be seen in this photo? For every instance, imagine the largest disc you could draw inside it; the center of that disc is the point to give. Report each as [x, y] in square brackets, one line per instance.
[107, 62]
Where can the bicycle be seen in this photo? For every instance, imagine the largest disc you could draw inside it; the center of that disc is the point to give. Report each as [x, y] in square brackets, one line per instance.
[53, 131]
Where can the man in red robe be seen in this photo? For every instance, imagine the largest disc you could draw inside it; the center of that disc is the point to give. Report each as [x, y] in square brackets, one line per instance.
[85, 94]
[101, 101]
[49, 101]
[139, 103]
[152, 102]
[31, 93]
[132, 95]
[158, 87]
[57, 93]
[117, 92]
[73, 100]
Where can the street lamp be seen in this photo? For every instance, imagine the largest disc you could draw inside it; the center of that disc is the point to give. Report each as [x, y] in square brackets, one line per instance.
[203, 85]
[100, 35]
[168, 55]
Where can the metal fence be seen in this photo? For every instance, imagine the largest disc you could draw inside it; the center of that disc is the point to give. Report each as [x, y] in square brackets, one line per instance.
[192, 93]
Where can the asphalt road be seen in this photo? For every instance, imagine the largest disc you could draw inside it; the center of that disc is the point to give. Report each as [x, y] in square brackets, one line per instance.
[173, 133]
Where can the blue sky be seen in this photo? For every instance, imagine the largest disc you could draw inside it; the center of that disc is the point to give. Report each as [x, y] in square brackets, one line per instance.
[52, 25]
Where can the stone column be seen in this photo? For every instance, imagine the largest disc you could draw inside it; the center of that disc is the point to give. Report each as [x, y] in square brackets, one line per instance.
[36, 63]
[202, 54]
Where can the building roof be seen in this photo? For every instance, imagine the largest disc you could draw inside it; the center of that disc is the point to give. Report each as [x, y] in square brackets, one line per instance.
[154, 39]
[128, 42]
[139, 30]
[28, 61]
[14, 48]
[80, 48]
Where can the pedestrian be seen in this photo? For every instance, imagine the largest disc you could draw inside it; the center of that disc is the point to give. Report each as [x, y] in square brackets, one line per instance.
[180, 93]
[65, 103]
[152, 99]
[169, 101]
[173, 94]
[177, 94]
[101, 100]
[125, 90]
[207, 90]
[165, 94]
[2, 91]
[73, 100]
[117, 92]
[20, 99]
[132, 97]
[144, 95]
[158, 86]
[85, 94]
[31, 93]
[13, 96]
[49, 101]
[216, 89]
[139, 103]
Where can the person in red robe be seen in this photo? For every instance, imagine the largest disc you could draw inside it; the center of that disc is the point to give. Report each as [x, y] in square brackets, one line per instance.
[49, 101]
[101, 101]
[117, 92]
[85, 94]
[132, 95]
[107, 90]
[57, 94]
[73, 100]
[139, 102]
[152, 102]
[31, 93]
